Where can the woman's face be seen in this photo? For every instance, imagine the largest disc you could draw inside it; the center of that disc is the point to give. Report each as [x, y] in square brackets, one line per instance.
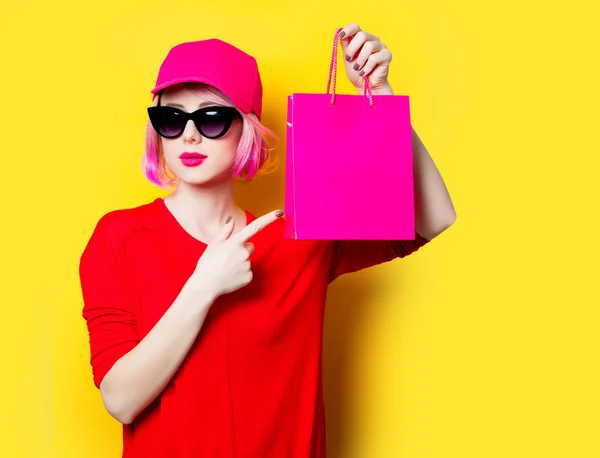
[220, 152]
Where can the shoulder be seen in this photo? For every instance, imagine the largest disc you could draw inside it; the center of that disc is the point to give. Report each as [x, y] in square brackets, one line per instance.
[115, 227]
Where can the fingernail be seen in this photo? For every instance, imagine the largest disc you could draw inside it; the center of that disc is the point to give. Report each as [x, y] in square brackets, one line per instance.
[229, 218]
[348, 58]
[342, 35]
[278, 213]
[361, 73]
[356, 66]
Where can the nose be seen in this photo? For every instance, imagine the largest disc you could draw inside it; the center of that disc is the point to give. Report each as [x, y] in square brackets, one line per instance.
[190, 133]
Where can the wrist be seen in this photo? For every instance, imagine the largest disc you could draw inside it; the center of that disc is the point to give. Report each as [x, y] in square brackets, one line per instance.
[200, 292]
[386, 89]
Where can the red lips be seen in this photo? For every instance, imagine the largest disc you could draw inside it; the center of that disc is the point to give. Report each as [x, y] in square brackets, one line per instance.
[187, 155]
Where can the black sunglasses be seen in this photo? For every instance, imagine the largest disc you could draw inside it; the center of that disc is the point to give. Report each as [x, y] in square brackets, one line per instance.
[211, 122]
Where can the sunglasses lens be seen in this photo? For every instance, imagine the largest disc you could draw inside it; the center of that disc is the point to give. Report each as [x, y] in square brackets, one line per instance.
[170, 122]
[215, 122]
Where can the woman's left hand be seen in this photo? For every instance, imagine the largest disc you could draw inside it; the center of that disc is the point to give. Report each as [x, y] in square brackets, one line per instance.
[365, 55]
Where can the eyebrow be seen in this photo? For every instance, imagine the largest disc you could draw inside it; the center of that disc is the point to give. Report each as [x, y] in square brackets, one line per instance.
[177, 105]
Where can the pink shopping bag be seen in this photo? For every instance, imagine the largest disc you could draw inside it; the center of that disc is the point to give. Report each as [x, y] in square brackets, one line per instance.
[349, 165]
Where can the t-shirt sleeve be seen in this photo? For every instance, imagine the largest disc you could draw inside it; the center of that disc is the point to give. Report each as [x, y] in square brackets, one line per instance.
[110, 303]
[353, 255]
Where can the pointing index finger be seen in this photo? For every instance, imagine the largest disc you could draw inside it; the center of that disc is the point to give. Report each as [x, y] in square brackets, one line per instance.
[256, 226]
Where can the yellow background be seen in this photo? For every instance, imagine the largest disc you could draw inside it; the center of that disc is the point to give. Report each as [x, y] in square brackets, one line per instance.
[483, 344]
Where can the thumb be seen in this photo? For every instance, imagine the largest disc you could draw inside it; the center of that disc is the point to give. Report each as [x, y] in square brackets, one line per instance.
[344, 45]
[345, 42]
[226, 231]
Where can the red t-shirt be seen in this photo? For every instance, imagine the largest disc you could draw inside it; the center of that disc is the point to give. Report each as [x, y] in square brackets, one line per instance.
[251, 384]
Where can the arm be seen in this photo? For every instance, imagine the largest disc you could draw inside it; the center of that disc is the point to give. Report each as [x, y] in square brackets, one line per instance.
[131, 373]
[434, 211]
[367, 57]
[354, 255]
[138, 377]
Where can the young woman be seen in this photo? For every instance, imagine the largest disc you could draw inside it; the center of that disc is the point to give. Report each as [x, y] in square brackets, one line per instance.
[205, 323]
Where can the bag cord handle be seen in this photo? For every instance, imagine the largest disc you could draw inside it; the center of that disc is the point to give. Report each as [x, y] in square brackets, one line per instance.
[333, 74]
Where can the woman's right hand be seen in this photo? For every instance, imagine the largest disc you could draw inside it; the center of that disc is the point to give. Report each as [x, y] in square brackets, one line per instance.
[224, 266]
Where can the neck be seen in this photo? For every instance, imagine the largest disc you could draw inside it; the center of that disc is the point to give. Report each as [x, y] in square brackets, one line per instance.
[203, 209]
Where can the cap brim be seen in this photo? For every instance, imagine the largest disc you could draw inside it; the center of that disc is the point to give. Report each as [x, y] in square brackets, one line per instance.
[192, 79]
[173, 82]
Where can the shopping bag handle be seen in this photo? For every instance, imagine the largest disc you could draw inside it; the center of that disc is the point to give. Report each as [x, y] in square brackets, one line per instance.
[333, 73]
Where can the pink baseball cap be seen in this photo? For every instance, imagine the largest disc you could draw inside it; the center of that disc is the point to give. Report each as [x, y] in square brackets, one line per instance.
[218, 64]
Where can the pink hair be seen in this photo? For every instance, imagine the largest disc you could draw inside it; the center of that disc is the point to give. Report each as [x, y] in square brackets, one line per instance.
[252, 152]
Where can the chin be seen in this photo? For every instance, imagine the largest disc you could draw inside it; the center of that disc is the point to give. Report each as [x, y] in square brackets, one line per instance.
[204, 177]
